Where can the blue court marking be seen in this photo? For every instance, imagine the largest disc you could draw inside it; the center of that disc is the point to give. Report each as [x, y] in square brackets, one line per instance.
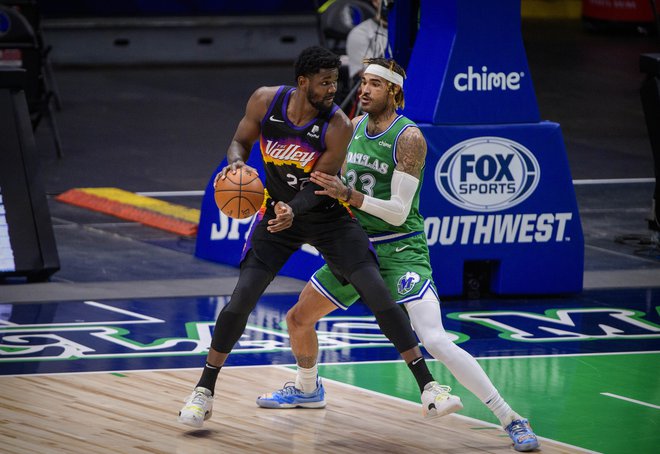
[165, 333]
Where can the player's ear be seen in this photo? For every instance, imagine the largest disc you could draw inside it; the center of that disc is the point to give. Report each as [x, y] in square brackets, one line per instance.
[302, 81]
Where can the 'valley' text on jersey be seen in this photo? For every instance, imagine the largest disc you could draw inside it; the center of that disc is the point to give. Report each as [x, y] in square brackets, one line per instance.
[289, 151]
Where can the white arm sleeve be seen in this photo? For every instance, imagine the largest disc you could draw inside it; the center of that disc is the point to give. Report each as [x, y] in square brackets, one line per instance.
[396, 209]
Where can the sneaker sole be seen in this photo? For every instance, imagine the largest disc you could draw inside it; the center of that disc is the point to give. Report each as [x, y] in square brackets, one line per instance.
[453, 404]
[191, 422]
[527, 447]
[194, 422]
[271, 404]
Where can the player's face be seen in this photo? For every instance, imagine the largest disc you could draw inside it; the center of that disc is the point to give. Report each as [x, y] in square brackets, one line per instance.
[374, 95]
[321, 89]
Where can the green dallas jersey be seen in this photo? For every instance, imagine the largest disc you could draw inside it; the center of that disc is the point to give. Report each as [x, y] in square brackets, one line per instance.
[370, 162]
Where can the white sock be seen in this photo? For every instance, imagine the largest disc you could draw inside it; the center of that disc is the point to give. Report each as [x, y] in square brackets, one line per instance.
[306, 379]
[501, 409]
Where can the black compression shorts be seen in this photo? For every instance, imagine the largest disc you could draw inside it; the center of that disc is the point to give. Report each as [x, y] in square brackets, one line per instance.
[336, 234]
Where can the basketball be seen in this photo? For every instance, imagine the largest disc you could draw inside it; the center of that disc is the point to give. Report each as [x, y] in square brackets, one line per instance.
[239, 195]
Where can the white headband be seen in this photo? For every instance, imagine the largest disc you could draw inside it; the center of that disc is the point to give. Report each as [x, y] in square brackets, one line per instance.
[385, 73]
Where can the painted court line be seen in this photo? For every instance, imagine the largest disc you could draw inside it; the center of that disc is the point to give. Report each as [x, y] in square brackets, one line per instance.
[478, 422]
[628, 399]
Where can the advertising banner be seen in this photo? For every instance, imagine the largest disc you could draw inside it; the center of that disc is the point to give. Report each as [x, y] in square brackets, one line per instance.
[501, 195]
[498, 196]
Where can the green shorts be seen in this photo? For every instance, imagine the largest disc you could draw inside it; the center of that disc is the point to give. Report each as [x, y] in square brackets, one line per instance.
[404, 265]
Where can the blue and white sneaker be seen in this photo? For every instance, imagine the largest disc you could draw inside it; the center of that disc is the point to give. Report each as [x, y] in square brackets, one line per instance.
[521, 433]
[292, 397]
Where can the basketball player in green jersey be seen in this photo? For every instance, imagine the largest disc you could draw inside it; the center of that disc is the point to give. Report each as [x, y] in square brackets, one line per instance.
[383, 174]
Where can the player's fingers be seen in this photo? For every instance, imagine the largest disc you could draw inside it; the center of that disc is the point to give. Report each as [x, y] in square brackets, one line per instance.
[329, 181]
[278, 226]
[322, 174]
[323, 183]
[250, 170]
[283, 219]
[283, 208]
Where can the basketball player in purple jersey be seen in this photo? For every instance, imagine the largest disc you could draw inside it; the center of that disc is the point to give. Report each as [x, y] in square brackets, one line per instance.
[301, 130]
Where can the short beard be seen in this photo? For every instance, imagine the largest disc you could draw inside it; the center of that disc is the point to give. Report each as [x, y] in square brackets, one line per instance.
[318, 105]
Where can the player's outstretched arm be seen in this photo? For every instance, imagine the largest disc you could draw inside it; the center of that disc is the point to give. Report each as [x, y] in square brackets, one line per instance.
[411, 154]
[337, 138]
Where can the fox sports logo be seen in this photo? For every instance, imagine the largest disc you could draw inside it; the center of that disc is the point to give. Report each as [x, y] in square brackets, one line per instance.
[487, 174]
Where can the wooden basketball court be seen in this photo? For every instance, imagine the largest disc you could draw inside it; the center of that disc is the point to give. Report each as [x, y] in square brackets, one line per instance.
[136, 412]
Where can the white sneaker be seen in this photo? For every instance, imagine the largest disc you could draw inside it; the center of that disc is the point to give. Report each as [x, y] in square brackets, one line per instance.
[198, 408]
[436, 400]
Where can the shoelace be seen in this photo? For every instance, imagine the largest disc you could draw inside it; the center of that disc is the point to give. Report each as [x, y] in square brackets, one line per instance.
[441, 390]
[199, 398]
[289, 388]
[519, 429]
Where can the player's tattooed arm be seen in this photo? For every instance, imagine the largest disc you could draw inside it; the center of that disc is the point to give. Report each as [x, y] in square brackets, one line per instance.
[411, 152]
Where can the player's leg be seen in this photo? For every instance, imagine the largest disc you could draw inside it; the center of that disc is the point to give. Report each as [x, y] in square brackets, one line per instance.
[301, 323]
[307, 391]
[395, 325]
[253, 279]
[322, 294]
[349, 254]
[263, 259]
[426, 318]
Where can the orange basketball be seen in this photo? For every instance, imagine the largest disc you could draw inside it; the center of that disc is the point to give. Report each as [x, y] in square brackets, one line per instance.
[240, 195]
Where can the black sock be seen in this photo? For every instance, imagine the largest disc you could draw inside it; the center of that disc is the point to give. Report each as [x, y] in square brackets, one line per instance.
[209, 377]
[421, 372]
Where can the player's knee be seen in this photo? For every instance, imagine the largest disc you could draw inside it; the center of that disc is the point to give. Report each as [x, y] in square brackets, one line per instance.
[297, 319]
[249, 288]
[292, 319]
[437, 344]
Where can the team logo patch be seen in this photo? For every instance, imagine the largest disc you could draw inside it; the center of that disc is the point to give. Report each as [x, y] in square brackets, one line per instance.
[407, 282]
[314, 132]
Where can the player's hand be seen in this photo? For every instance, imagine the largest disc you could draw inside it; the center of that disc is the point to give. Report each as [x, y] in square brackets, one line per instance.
[331, 184]
[233, 168]
[283, 219]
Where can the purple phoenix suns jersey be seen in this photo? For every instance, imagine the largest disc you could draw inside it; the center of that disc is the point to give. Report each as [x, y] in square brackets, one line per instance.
[289, 151]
